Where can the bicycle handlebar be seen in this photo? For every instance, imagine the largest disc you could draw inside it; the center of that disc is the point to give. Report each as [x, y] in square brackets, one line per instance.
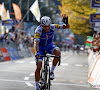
[49, 55]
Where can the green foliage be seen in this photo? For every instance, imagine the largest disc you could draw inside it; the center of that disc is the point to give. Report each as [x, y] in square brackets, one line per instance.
[78, 12]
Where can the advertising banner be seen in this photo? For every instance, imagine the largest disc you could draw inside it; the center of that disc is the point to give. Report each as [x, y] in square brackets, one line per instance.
[95, 3]
[93, 25]
[94, 18]
[13, 53]
[5, 54]
[10, 51]
[16, 54]
[1, 57]
[8, 22]
[93, 79]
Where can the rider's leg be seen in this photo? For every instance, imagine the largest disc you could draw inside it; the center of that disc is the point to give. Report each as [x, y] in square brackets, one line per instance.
[56, 52]
[37, 74]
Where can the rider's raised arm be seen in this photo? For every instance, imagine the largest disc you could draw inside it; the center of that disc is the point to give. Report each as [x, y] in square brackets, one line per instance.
[63, 26]
[66, 26]
[56, 26]
[65, 20]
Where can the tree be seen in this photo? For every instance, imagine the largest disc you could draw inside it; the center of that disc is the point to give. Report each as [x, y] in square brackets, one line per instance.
[78, 12]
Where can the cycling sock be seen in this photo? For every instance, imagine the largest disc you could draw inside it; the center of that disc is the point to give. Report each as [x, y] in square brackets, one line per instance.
[37, 85]
[52, 68]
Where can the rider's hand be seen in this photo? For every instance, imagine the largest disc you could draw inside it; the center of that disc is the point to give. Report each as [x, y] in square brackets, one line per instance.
[37, 55]
[65, 19]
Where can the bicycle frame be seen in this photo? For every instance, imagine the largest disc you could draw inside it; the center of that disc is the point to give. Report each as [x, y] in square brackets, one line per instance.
[45, 81]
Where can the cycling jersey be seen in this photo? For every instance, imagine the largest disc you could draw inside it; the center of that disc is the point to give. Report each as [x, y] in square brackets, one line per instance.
[46, 38]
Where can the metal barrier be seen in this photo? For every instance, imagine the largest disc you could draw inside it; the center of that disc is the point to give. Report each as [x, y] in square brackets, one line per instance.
[94, 69]
[13, 51]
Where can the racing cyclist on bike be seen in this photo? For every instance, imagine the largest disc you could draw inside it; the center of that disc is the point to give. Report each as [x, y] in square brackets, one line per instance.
[43, 41]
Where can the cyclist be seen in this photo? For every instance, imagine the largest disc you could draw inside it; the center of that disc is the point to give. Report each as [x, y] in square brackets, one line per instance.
[43, 41]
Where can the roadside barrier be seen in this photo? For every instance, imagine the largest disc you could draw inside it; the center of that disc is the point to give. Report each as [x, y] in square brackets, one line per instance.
[94, 69]
[1, 57]
[7, 54]
[13, 53]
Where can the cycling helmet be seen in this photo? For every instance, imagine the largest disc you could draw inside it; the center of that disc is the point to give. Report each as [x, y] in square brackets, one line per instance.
[45, 20]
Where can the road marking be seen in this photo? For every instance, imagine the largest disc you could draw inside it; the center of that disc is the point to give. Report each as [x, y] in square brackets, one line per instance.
[53, 83]
[7, 80]
[26, 78]
[71, 80]
[29, 84]
[5, 62]
[80, 85]
[60, 80]
[19, 61]
[32, 74]
[32, 62]
[79, 65]
[81, 81]
[64, 64]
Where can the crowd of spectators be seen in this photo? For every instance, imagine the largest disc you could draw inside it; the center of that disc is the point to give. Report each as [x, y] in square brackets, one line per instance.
[93, 42]
[18, 38]
[96, 42]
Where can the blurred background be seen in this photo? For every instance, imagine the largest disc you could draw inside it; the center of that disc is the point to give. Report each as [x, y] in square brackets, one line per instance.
[78, 13]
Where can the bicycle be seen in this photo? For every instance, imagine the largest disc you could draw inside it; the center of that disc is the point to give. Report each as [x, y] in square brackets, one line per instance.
[45, 81]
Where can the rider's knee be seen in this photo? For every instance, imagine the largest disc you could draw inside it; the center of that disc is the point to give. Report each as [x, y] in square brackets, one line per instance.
[57, 52]
[39, 66]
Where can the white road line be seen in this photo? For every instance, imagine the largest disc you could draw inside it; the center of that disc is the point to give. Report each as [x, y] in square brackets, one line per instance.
[32, 74]
[19, 61]
[85, 85]
[26, 78]
[64, 64]
[29, 84]
[79, 65]
[14, 71]
[32, 62]
[53, 83]
[7, 80]
[5, 62]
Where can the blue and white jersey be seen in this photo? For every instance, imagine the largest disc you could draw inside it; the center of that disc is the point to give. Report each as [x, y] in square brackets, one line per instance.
[45, 38]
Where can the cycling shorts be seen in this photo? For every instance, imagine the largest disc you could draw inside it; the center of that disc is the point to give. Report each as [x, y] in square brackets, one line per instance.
[48, 48]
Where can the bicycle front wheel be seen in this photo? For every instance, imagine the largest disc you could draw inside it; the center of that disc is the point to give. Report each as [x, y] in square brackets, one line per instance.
[49, 82]
[45, 79]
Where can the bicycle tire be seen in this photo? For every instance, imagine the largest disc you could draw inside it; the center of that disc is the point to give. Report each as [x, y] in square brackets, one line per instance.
[45, 81]
[49, 81]
[42, 80]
